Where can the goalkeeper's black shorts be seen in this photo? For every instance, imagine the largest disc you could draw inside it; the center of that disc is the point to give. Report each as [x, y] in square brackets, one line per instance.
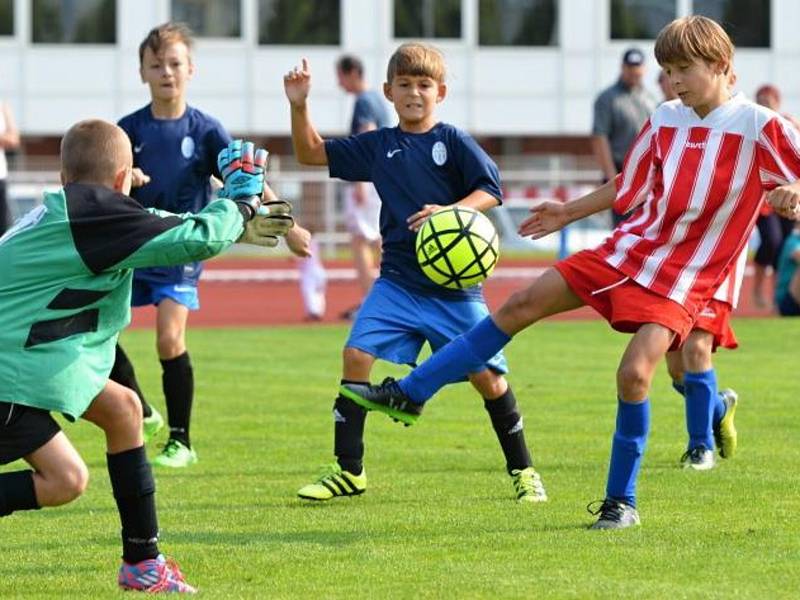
[23, 430]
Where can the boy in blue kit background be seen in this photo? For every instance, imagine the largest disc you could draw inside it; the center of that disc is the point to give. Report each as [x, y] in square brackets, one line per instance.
[787, 286]
[175, 147]
[174, 154]
[416, 167]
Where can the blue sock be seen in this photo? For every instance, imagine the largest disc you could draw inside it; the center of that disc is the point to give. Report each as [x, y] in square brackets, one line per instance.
[679, 387]
[719, 408]
[627, 448]
[468, 353]
[701, 397]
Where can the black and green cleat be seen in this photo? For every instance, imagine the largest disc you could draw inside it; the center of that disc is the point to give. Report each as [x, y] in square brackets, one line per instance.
[333, 482]
[386, 397]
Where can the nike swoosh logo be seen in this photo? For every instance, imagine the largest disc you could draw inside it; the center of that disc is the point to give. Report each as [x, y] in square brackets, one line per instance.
[391, 153]
[137, 149]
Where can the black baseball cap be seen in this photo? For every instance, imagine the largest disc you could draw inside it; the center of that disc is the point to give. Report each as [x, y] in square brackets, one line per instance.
[633, 57]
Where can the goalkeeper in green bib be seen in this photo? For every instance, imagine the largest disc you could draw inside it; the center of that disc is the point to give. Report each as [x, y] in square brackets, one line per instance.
[65, 287]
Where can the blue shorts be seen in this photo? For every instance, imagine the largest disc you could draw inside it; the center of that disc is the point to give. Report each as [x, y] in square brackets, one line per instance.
[145, 293]
[393, 323]
[787, 306]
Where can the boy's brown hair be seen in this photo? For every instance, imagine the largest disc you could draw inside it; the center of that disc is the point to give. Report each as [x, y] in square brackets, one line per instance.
[93, 151]
[419, 59]
[167, 33]
[693, 37]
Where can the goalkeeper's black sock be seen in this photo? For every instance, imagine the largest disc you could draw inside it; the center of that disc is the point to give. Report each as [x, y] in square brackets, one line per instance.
[507, 423]
[135, 493]
[178, 383]
[348, 436]
[17, 492]
[122, 372]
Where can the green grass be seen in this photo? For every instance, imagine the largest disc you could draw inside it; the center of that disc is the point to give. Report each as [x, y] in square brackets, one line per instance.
[438, 519]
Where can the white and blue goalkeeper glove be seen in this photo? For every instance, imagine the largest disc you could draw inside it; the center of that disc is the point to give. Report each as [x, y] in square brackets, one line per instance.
[242, 169]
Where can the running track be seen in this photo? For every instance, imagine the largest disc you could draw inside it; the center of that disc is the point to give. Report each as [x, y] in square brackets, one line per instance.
[265, 292]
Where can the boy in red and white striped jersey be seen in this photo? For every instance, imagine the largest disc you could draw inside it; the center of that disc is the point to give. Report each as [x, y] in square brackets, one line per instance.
[693, 181]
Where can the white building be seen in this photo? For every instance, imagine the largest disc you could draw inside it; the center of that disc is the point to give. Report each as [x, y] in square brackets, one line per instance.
[497, 86]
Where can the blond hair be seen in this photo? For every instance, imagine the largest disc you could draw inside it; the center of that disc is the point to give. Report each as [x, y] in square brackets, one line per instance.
[164, 34]
[419, 59]
[693, 37]
[93, 151]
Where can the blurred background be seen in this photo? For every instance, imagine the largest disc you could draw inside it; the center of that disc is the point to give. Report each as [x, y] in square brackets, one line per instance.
[523, 76]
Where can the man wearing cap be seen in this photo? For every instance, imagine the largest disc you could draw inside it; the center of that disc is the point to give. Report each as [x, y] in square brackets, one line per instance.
[619, 113]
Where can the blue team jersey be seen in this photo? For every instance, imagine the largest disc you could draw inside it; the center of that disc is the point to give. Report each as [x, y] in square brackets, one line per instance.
[179, 155]
[409, 170]
[369, 108]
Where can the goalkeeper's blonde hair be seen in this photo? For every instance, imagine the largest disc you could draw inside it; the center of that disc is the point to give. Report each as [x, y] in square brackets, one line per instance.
[94, 151]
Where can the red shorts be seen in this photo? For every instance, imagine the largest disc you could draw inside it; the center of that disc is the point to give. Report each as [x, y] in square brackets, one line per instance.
[715, 318]
[625, 304]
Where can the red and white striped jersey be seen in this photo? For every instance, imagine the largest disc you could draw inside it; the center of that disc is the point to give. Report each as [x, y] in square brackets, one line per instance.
[730, 289]
[695, 186]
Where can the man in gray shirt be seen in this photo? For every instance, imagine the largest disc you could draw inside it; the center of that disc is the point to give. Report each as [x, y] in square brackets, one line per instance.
[619, 113]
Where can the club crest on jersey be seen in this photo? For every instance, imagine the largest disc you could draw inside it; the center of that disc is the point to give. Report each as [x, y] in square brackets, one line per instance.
[187, 147]
[439, 153]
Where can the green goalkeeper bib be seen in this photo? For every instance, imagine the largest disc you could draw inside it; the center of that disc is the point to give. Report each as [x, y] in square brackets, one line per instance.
[65, 286]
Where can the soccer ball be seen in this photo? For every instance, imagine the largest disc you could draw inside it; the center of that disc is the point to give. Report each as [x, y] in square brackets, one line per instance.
[457, 247]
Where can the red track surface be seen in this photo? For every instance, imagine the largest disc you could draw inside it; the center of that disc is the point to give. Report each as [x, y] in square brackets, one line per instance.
[279, 302]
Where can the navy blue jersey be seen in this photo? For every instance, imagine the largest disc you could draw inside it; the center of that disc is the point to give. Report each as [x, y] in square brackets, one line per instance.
[410, 170]
[179, 155]
[369, 109]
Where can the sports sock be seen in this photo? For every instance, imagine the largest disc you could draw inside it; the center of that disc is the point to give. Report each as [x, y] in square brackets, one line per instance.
[679, 387]
[135, 493]
[719, 409]
[348, 434]
[17, 492]
[627, 448]
[178, 383]
[467, 353]
[701, 396]
[507, 424]
[122, 372]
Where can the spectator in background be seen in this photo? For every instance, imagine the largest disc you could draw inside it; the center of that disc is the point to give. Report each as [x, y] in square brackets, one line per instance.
[9, 139]
[362, 204]
[619, 113]
[313, 281]
[666, 86]
[772, 229]
[787, 290]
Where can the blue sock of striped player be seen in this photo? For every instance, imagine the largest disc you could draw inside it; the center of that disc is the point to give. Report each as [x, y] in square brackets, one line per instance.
[679, 387]
[719, 408]
[701, 397]
[467, 353]
[627, 448]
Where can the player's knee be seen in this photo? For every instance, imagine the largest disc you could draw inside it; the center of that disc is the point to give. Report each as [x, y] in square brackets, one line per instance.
[697, 353]
[633, 381]
[170, 344]
[519, 311]
[126, 410]
[356, 360]
[71, 483]
[489, 384]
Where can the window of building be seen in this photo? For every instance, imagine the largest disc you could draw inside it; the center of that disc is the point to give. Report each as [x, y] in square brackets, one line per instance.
[210, 18]
[299, 22]
[427, 18]
[6, 17]
[70, 22]
[640, 19]
[746, 21]
[518, 23]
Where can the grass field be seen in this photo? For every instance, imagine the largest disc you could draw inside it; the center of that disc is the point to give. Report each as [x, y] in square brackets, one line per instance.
[438, 519]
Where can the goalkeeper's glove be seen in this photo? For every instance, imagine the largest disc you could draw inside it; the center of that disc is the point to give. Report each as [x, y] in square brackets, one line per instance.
[273, 219]
[242, 169]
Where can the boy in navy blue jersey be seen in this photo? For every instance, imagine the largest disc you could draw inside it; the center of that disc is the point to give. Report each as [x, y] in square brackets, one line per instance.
[175, 147]
[416, 167]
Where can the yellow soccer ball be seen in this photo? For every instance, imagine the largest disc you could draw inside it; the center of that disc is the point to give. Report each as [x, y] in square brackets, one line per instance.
[457, 247]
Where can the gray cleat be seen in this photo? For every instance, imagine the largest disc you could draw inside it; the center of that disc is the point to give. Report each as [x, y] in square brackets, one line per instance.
[614, 514]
